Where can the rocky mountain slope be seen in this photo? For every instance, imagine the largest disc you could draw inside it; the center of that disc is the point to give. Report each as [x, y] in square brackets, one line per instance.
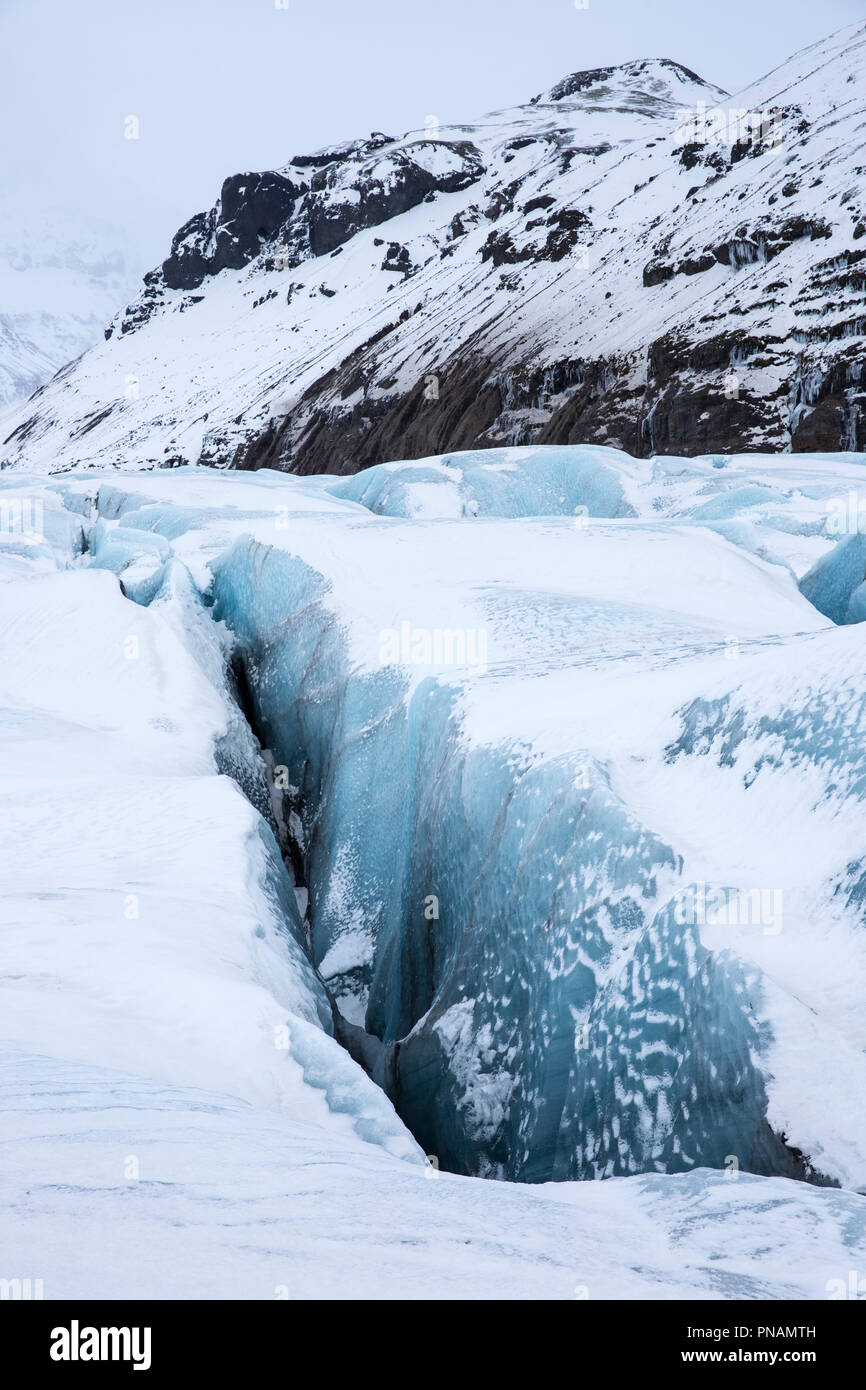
[633, 258]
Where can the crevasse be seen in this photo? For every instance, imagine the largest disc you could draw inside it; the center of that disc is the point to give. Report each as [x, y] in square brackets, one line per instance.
[495, 861]
[540, 888]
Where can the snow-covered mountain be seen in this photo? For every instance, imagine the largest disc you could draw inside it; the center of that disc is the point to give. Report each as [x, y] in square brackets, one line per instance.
[633, 258]
[61, 278]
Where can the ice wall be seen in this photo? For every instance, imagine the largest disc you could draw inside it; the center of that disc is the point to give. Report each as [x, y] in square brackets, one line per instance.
[510, 482]
[474, 909]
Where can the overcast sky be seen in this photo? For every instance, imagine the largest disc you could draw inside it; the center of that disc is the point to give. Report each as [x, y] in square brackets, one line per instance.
[221, 86]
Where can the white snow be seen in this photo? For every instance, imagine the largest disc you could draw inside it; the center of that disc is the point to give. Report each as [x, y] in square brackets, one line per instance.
[114, 1186]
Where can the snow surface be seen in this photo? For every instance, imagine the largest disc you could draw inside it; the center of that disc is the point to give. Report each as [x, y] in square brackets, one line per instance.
[232, 1201]
[658, 706]
[145, 908]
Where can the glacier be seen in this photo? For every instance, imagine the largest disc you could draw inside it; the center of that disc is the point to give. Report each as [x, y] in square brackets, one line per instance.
[591, 908]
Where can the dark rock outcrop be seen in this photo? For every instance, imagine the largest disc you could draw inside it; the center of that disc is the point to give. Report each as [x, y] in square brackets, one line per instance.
[252, 210]
[383, 187]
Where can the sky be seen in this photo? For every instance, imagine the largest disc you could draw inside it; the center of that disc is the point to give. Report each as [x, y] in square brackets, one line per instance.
[223, 86]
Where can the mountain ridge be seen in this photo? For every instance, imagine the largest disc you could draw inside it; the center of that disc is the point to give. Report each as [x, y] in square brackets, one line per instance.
[632, 258]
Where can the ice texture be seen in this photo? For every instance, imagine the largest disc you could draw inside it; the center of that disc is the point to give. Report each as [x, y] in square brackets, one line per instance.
[836, 583]
[494, 842]
[147, 915]
[234, 1201]
[494, 854]
[496, 482]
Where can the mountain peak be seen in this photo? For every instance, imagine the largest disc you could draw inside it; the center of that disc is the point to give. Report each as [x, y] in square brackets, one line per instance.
[639, 84]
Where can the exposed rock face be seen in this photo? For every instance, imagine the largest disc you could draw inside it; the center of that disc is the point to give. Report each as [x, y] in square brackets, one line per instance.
[350, 188]
[351, 195]
[252, 210]
[469, 401]
[633, 258]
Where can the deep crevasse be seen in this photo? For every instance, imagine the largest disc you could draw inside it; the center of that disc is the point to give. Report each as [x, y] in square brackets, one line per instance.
[708, 719]
[551, 1016]
[543, 889]
[149, 921]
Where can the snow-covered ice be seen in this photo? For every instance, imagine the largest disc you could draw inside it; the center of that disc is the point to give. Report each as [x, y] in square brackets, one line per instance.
[115, 1186]
[583, 880]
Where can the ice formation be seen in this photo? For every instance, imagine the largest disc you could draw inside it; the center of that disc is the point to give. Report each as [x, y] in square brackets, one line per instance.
[591, 907]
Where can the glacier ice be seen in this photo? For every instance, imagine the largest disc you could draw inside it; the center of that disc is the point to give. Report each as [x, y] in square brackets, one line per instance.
[496, 482]
[147, 913]
[836, 583]
[490, 860]
[487, 862]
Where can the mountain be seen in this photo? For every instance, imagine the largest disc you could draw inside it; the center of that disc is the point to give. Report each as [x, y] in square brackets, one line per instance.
[632, 258]
[61, 277]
